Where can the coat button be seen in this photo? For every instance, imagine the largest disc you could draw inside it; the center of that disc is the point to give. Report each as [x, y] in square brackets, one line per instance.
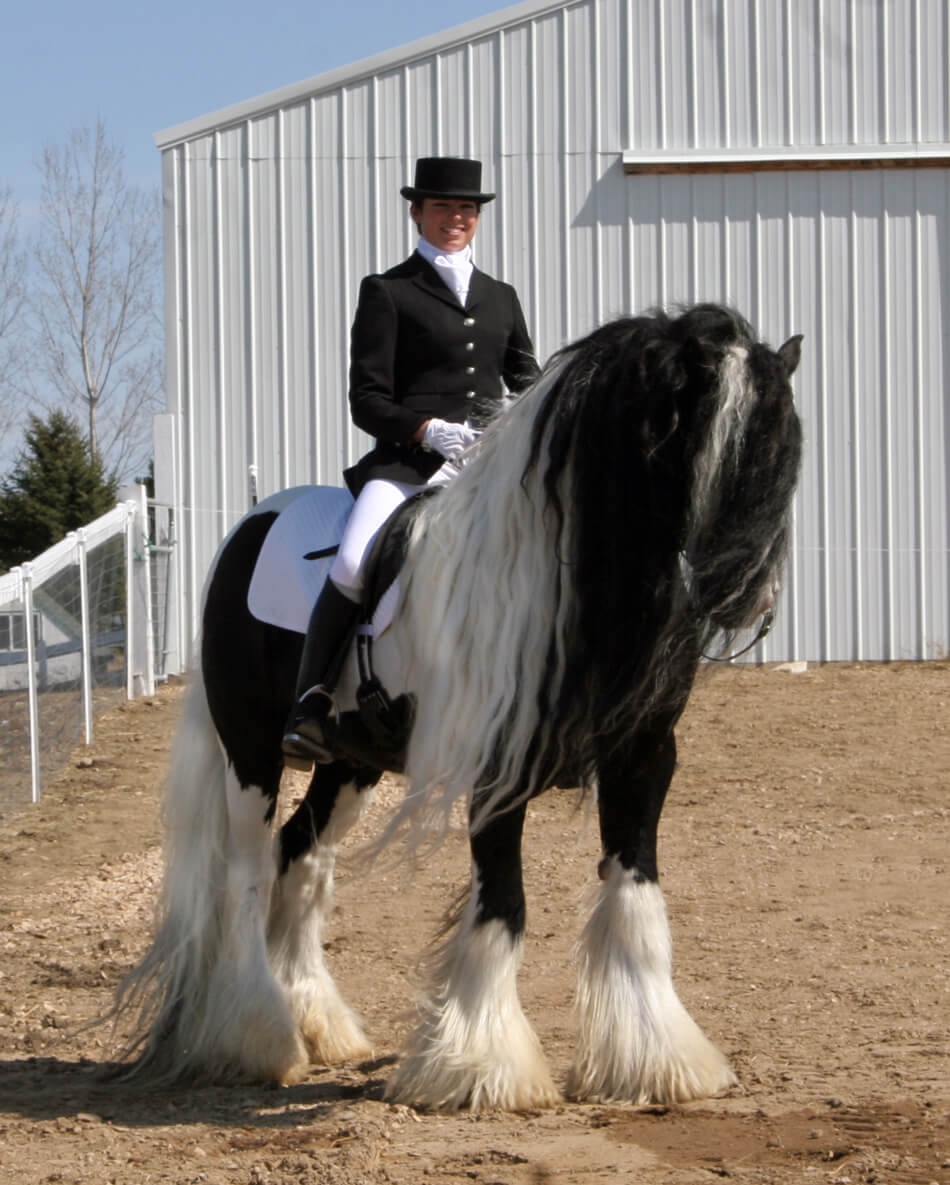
[469, 369]
[469, 394]
[470, 345]
[469, 321]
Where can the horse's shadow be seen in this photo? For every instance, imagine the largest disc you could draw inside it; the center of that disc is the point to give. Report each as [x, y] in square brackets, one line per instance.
[47, 1088]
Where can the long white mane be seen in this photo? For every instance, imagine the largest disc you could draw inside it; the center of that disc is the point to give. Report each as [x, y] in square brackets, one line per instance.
[488, 608]
[626, 509]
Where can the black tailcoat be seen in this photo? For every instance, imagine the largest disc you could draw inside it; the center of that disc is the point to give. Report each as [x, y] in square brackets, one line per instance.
[415, 353]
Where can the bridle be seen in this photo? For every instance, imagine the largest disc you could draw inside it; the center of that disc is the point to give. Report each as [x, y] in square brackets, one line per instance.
[767, 618]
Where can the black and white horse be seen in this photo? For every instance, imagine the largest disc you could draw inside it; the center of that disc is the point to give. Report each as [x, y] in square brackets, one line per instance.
[556, 600]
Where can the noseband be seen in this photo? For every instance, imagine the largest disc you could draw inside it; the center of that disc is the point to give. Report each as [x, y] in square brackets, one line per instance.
[767, 618]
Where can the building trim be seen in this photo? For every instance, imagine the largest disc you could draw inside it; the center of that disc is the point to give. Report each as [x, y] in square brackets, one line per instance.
[765, 160]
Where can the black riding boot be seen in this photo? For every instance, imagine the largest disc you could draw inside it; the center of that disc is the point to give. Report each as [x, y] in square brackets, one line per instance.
[329, 634]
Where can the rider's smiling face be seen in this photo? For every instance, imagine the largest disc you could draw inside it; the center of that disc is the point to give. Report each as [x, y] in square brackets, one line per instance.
[447, 223]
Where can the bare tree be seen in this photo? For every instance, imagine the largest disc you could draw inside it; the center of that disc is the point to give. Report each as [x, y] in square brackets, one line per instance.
[12, 298]
[95, 302]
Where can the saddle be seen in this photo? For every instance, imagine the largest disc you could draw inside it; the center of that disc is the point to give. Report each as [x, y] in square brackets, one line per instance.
[288, 576]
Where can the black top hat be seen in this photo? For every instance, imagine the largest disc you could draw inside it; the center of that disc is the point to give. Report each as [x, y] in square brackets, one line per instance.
[447, 177]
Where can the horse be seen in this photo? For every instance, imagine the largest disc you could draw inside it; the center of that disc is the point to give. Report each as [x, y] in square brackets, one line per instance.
[614, 525]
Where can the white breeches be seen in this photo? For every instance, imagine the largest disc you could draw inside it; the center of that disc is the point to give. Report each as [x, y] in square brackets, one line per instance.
[376, 502]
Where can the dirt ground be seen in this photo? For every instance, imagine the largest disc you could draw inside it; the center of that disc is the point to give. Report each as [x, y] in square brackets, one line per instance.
[805, 861]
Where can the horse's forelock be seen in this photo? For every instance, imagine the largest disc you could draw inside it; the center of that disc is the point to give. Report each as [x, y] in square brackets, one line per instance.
[626, 399]
[739, 552]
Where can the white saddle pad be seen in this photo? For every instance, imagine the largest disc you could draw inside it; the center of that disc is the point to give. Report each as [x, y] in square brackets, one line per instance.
[285, 586]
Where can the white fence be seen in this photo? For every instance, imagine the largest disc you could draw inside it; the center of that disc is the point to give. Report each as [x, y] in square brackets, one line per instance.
[97, 602]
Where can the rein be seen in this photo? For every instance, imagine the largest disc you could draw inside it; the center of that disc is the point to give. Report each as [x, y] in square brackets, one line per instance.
[767, 618]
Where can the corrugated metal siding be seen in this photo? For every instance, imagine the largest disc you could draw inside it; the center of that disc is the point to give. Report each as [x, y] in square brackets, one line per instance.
[275, 210]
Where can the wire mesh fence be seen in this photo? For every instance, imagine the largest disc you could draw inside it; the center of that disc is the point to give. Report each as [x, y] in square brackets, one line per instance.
[91, 644]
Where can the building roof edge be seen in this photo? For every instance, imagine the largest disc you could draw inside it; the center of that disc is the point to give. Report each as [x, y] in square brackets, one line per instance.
[332, 79]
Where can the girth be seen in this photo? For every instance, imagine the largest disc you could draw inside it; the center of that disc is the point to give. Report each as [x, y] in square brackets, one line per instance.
[378, 733]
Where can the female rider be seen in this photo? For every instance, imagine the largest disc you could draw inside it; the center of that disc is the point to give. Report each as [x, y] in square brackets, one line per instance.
[434, 340]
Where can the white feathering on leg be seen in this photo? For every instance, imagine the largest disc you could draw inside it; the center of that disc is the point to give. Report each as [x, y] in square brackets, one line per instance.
[300, 906]
[474, 1046]
[636, 1041]
[248, 1030]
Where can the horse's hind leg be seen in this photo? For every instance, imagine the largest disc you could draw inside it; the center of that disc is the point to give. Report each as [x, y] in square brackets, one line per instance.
[250, 1031]
[300, 906]
[636, 1040]
[473, 1045]
[208, 1005]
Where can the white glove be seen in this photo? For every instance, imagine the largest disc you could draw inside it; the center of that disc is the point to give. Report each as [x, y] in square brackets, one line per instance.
[448, 439]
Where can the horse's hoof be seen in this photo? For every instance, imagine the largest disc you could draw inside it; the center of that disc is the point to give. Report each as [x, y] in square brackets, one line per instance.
[295, 1075]
[450, 1090]
[328, 1047]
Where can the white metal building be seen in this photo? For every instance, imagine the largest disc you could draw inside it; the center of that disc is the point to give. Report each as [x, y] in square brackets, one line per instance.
[789, 158]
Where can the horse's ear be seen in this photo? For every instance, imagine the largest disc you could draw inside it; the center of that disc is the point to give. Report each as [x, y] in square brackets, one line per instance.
[791, 353]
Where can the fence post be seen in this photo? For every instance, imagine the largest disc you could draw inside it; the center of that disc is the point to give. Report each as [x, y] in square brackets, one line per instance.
[26, 575]
[129, 601]
[85, 643]
[140, 663]
[168, 495]
[146, 633]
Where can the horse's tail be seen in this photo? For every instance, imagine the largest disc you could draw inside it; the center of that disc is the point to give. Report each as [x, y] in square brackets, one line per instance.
[164, 992]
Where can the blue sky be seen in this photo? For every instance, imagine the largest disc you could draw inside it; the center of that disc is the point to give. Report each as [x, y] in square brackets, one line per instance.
[144, 68]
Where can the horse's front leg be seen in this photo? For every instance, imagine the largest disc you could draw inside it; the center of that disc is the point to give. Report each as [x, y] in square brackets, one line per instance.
[473, 1045]
[300, 906]
[636, 1041]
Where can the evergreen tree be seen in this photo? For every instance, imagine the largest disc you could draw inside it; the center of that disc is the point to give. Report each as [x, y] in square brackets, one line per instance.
[55, 487]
